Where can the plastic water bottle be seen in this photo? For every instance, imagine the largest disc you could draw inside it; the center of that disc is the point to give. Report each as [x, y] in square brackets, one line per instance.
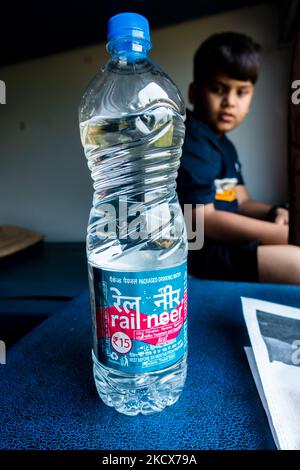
[132, 129]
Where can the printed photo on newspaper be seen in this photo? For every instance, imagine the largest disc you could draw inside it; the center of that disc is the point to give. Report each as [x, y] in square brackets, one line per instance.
[274, 359]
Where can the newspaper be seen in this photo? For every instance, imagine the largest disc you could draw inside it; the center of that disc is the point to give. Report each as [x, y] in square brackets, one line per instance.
[274, 359]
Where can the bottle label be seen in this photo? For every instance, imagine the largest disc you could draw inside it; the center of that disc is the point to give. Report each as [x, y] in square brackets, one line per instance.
[141, 318]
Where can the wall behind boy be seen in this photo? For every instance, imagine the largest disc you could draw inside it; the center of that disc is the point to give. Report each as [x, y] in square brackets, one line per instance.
[44, 180]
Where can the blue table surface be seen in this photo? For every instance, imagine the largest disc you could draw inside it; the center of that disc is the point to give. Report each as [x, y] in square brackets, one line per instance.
[36, 282]
[44, 271]
[49, 401]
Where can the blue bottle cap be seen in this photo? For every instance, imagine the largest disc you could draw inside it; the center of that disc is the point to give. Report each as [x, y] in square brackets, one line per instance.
[128, 24]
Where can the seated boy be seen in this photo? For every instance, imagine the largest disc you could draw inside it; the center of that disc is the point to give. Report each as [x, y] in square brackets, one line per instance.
[244, 239]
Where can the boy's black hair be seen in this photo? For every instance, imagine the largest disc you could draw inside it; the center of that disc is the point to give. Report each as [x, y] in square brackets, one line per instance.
[234, 54]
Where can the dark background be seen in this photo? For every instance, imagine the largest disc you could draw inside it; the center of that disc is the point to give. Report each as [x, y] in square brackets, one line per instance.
[31, 29]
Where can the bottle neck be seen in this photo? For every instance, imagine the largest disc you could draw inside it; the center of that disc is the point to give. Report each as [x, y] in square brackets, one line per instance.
[128, 48]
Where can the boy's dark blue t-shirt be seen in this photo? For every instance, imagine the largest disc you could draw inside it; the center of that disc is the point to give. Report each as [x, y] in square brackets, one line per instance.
[209, 168]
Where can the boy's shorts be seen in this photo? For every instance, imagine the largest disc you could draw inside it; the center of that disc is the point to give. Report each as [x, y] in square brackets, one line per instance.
[225, 261]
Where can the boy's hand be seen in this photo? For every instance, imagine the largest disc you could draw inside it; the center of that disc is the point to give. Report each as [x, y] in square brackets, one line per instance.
[282, 216]
[230, 227]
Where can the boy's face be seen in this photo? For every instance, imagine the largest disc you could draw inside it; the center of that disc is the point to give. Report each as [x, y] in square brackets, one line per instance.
[223, 102]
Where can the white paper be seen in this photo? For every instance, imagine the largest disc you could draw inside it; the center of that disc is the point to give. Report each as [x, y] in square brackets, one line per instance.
[255, 373]
[274, 332]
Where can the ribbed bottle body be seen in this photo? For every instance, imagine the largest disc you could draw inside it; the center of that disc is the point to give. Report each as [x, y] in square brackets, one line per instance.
[132, 129]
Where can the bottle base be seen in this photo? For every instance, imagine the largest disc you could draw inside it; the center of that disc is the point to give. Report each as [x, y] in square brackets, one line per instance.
[146, 393]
